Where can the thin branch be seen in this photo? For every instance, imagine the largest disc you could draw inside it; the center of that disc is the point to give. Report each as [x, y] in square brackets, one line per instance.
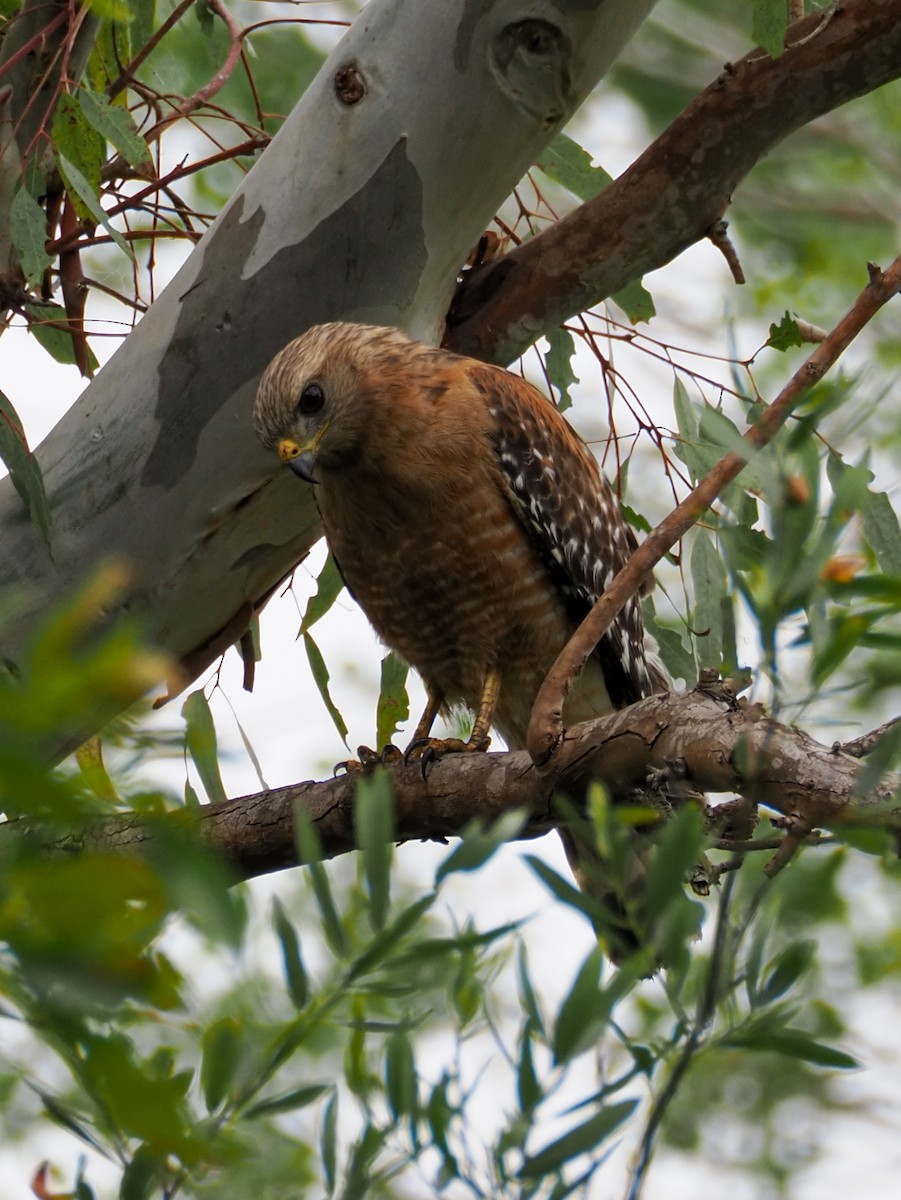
[703, 1016]
[867, 743]
[546, 725]
[126, 76]
[718, 233]
[34, 42]
[218, 81]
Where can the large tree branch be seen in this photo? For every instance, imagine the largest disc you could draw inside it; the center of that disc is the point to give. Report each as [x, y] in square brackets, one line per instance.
[702, 737]
[680, 187]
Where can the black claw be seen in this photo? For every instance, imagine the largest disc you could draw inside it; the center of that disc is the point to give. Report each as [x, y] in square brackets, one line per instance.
[414, 745]
[367, 760]
[427, 761]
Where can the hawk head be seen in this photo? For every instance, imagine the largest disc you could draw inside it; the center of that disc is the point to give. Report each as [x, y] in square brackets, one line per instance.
[313, 402]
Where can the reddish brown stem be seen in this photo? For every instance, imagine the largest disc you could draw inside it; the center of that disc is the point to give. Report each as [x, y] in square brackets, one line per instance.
[34, 42]
[127, 73]
[206, 93]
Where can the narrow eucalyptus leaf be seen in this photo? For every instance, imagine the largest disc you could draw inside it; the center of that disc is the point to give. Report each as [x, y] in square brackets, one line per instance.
[374, 822]
[200, 738]
[582, 1140]
[295, 973]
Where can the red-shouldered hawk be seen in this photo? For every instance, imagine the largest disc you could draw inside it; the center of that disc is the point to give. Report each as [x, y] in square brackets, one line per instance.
[470, 522]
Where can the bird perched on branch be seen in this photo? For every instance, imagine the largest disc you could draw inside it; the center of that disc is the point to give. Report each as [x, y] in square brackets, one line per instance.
[469, 521]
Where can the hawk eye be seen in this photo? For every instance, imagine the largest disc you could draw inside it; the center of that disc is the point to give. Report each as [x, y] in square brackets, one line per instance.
[311, 399]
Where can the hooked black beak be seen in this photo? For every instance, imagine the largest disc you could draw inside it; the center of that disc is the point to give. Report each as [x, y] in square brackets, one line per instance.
[303, 466]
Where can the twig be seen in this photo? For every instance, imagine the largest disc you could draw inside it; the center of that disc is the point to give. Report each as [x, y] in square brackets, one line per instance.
[546, 724]
[797, 835]
[209, 89]
[718, 234]
[703, 1017]
[126, 75]
[33, 42]
[180, 172]
[867, 742]
[748, 845]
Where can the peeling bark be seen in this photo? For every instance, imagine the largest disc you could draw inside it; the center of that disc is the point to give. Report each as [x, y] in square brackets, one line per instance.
[703, 738]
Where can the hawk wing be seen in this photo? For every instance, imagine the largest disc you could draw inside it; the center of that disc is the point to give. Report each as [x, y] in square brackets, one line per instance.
[557, 490]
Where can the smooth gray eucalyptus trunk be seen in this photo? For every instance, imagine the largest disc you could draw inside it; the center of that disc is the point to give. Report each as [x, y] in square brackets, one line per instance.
[363, 207]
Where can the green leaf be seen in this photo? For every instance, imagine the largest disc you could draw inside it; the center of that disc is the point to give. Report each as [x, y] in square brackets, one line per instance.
[769, 25]
[356, 1068]
[80, 152]
[787, 968]
[63, 1115]
[359, 1182]
[289, 1101]
[793, 1043]
[675, 655]
[785, 335]
[383, 943]
[295, 973]
[328, 1143]
[527, 997]
[558, 362]
[321, 678]
[468, 939]
[117, 126]
[687, 426]
[310, 852]
[28, 230]
[636, 301]
[582, 1015]
[582, 1140]
[400, 1075]
[678, 848]
[89, 757]
[141, 1175]
[221, 1047]
[393, 707]
[528, 1090]
[328, 588]
[882, 531]
[49, 325]
[568, 164]
[81, 187]
[439, 1113]
[479, 844]
[118, 11]
[374, 824]
[709, 579]
[587, 905]
[23, 468]
[200, 738]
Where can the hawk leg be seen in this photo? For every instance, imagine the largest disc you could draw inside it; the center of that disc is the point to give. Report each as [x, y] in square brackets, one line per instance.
[428, 749]
[368, 759]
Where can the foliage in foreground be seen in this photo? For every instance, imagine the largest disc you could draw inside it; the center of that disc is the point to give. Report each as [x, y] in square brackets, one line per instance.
[352, 1039]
